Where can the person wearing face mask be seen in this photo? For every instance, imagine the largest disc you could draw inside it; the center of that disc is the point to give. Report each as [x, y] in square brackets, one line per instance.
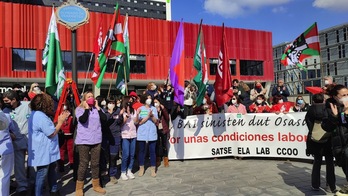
[337, 124]
[257, 90]
[279, 106]
[147, 134]
[162, 132]
[236, 106]
[34, 90]
[67, 146]
[115, 120]
[129, 134]
[260, 105]
[151, 90]
[90, 118]
[300, 105]
[19, 112]
[207, 107]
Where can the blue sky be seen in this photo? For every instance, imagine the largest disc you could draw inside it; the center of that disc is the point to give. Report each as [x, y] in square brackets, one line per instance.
[286, 19]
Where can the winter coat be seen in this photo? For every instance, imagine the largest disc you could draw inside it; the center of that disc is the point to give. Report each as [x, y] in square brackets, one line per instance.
[316, 112]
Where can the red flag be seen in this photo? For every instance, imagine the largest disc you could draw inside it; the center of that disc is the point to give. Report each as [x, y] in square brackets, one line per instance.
[223, 74]
[104, 52]
[96, 49]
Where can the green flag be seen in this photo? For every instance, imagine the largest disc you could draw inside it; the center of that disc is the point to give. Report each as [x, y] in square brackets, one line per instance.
[201, 79]
[52, 60]
[124, 66]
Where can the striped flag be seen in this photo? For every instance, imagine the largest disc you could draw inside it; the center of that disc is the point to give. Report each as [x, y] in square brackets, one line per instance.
[304, 46]
[200, 63]
[52, 60]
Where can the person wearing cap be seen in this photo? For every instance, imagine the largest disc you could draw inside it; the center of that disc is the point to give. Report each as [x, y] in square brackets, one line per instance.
[6, 154]
[136, 101]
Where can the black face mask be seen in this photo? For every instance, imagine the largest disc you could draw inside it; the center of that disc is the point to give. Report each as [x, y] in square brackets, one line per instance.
[7, 105]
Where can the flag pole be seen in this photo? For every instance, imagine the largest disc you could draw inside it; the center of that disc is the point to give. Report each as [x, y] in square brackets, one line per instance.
[112, 77]
[125, 57]
[199, 31]
[89, 66]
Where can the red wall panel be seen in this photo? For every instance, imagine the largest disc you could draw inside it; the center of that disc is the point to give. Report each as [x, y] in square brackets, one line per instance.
[25, 26]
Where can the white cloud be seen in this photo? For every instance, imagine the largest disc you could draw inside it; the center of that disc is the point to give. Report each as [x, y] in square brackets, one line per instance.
[233, 8]
[340, 5]
[279, 9]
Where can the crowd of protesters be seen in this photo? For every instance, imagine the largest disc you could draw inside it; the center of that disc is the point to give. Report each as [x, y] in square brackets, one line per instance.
[136, 127]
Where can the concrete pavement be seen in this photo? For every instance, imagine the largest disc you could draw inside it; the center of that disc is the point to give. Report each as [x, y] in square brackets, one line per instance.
[223, 176]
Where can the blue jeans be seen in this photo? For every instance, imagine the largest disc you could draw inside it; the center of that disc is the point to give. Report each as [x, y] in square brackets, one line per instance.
[114, 150]
[152, 152]
[41, 175]
[128, 152]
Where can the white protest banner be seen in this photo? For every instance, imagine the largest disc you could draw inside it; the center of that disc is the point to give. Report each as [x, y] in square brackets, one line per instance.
[250, 135]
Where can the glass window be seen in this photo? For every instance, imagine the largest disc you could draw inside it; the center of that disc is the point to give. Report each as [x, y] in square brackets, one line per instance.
[251, 68]
[137, 64]
[82, 61]
[345, 34]
[326, 39]
[24, 59]
[343, 51]
[328, 54]
[337, 36]
[213, 64]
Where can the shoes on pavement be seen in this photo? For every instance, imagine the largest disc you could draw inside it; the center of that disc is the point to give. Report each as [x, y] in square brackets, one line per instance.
[315, 189]
[130, 175]
[124, 176]
[113, 180]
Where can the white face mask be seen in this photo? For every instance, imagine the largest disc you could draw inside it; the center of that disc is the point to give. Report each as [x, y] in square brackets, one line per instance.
[37, 90]
[204, 101]
[148, 101]
[259, 101]
[281, 101]
[119, 105]
[64, 107]
[344, 99]
[326, 82]
[234, 101]
[153, 87]
[103, 103]
[156, 104]
[111, 106]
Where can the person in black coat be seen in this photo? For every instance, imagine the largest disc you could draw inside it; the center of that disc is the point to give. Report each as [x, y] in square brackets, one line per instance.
[337, 106]
[317, 112]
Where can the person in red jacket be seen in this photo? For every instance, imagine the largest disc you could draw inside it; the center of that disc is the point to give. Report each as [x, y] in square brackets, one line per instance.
[67, 130]
[260, 105]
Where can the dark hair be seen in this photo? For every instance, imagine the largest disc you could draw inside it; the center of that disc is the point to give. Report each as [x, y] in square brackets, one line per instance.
[126, 103]
[302, 99]
[99, 99]
[110, 99]
[16, 85]
[235, 80]
[238, 99]
[276, 99]
[44, 103]
[11, 94]
[22, 95]
[335, 89]
[1, 101]
[262, 97]
[318, 98]
[143, 98]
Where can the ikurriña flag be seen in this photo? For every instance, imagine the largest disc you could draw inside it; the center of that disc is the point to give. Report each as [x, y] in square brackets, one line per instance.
[200, 63]
[52, 60]
[107, 47]
[177, 66]
[223, 74]
[304, 46]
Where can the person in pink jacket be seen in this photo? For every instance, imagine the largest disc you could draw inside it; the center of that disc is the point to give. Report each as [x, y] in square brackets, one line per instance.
[236, 106]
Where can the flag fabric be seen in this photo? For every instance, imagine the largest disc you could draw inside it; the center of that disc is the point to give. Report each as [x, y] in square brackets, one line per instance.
[117, 47]
[304, 46]
[105, 50]
[52, 60]
[223, 74]
[200, 63]
[177, 66]
[98, 43]
[124, 65]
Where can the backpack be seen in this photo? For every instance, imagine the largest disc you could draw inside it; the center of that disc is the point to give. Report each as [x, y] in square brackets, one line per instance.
[319, 135]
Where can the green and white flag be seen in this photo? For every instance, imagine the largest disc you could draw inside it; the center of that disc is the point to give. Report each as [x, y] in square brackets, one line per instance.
[124, 65]
[52, 60]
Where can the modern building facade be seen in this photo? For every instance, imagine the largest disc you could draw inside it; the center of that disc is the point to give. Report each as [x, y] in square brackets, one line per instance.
[24, 30]
[159, 9]
[332, 62]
